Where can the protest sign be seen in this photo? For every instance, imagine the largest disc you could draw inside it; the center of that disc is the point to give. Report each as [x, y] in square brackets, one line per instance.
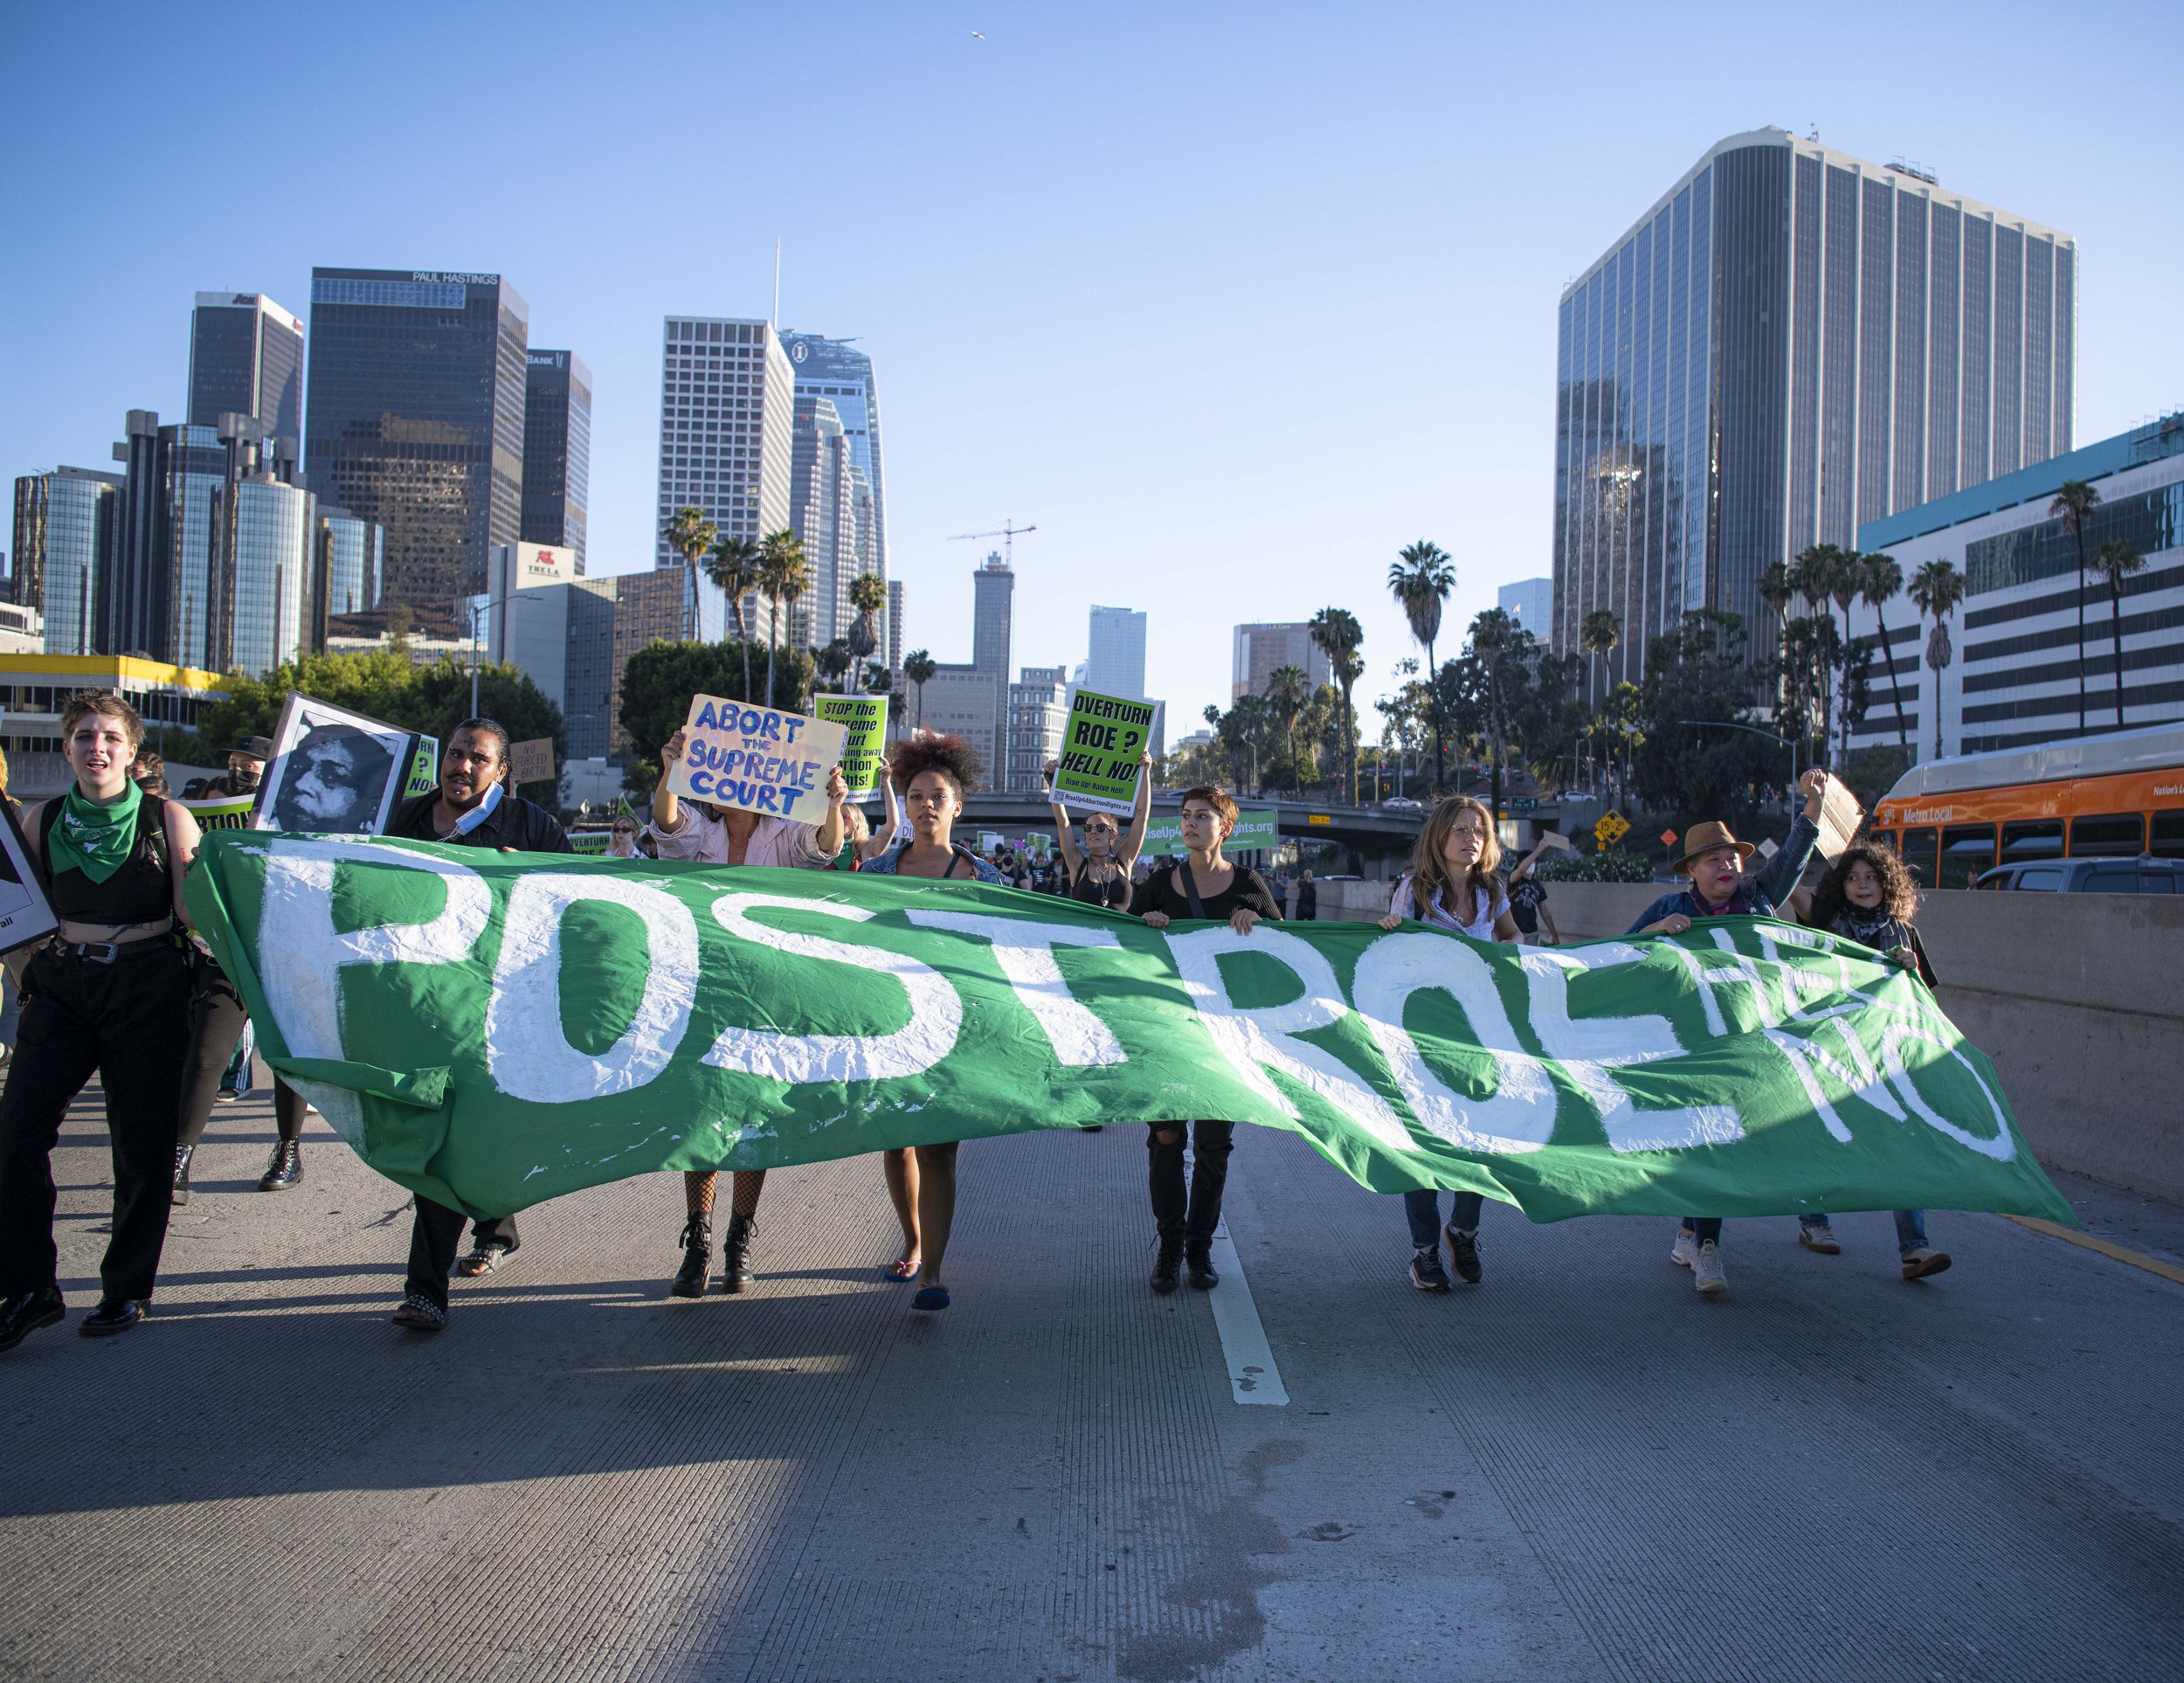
[864, 720]
[1040, 845]
[1163, 833]
[1102, 740]
[991, 843]
[757, 759]
[1555, 841]
[1840, 816]
[424, 770]
[532, 761]
[25, 916]
[763, 1017]
[222, 811]
[333, 771]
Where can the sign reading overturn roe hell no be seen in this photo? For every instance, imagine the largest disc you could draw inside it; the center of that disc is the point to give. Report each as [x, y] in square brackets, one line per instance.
[1101, 742]
[758, 758]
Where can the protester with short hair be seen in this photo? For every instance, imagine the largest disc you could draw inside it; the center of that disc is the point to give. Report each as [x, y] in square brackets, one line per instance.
[1528, 899]
[1868, 895]
[1452, 884]
[246, 770]
[108, 993]
[714, 834]
[473, 807]
[1713, 860]
[1202, 885]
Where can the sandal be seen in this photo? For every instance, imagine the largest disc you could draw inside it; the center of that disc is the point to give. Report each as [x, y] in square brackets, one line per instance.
[931, 1298]
[420, 1314]
[904, 1268]
[483, 1260]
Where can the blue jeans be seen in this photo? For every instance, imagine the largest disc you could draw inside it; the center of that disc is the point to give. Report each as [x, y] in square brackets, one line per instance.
[1706, 1228]
[1423, 1209]
[1910, 1229]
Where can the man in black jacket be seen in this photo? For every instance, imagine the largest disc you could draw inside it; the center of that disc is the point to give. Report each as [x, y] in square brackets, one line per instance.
[473, 807]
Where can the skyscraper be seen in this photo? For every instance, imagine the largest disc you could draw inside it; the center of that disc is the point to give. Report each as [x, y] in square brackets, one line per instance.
[1115, 656]
[823, 513]
[415, 418]
[1790, 342]
[828, 368]
[557, 450]
[893, 644]
[727, 409]
[1261, 650]
[992, 611]
[1038, 712]
[68, 526]
[246, 359]
[1530, 603]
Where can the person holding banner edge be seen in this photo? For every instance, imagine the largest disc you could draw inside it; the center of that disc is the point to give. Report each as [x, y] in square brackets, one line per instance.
[715, 835]
[110, 994]
[473, 807]
[933, 775]
[1202, 885]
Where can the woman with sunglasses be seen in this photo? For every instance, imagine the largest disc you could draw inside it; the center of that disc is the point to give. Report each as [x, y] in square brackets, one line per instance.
[621, 842]
[1099, 874]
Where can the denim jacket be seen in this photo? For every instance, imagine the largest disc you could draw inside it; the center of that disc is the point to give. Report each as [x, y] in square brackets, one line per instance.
[1760, 897]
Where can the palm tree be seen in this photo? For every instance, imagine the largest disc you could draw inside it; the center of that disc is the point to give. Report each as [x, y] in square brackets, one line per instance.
[2115, 563]
[689, 534]
[1598, 635]
[1421, 581]
[733, 566]
[1288, 689]
[867, 595]
[834, 660]
[791, 583]
[1337, 632]
[1880, 582]
[780, 555]
[1845, 573]
[2076, 500]
[1495, 639]
[1936, 590]
[917, 667]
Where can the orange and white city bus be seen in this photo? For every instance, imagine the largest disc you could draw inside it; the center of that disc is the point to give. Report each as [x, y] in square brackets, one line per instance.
[2118, 796]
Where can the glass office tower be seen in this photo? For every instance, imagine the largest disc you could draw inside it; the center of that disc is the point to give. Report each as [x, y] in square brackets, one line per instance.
[246, 358]
[1790, 342]
[351, 553]
[157, 599]
[823, 513]
[828, 368]
[68, 526]
[415, 418]
[1115, 659]
[557, 450]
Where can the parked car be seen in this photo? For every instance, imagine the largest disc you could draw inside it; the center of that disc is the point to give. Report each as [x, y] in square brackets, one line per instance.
[1402, 804]
[2089, 876]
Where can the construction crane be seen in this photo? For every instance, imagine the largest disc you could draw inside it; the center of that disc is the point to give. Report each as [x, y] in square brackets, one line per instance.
[1008, 533]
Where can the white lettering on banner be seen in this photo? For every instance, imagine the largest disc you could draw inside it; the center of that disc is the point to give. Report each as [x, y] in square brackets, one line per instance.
[1894, 1037]
[1809, 1059]
[936, 1012]
[1589, 1051]
[527, 1048]
[1520, 1117]
[1253, 1037]
[1025, 951]
[301, 954]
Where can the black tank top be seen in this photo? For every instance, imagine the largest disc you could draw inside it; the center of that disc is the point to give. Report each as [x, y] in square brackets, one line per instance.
[1112, 894]
[141, 893]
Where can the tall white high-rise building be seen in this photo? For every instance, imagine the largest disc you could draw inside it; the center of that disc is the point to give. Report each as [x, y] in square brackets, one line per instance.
[1530, 603]
[1115, 663]
[727, 413]
[1790, 342]
[830, 369]
[1261, 650]
[824, 512]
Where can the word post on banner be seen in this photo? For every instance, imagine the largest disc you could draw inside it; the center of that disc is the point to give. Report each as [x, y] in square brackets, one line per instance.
[1100, 741]
[758, 758]
[864, 718]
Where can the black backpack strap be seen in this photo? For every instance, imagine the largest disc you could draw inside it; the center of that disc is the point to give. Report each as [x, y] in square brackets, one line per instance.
[1191, 888]
[43, 860]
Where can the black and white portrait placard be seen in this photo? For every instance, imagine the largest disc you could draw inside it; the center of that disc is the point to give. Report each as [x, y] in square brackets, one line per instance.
[333, 771]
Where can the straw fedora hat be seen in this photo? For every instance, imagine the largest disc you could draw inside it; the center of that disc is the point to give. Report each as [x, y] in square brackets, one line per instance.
[1704, 838]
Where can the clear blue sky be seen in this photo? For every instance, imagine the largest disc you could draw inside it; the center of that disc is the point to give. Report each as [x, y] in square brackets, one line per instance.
[1232, 302]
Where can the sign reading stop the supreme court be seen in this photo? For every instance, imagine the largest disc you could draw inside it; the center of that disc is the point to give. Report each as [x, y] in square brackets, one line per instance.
[1101, 742]
[758, 758]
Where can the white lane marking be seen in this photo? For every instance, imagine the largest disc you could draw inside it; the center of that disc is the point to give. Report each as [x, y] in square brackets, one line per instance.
[1251, 1375]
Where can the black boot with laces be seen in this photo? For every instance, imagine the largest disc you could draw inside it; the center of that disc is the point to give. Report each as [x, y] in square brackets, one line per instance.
[697, 1258]
[286, 1169]
[735, 1253]
[1165, 1266]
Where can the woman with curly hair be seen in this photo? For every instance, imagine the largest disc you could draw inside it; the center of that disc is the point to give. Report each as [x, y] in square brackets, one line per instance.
[932, 774]
[1868, 896]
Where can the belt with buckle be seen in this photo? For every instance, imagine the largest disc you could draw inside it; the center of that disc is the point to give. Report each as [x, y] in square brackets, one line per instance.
[111, 951]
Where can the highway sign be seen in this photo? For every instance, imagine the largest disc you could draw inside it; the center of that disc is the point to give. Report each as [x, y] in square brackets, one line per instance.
[1612, 828]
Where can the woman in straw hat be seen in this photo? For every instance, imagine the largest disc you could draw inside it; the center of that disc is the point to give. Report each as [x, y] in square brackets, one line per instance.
[1714, 860]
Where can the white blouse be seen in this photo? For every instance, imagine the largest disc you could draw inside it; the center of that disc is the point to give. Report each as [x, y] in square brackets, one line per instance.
[1403, 904]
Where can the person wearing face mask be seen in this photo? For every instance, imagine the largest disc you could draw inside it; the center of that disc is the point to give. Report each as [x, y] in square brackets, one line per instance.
[932, 774]
[1201, 884]
[1714, 860]
[1868, 896]
[473, 807]
[1453, 884]
[246, 770]
[108, 994]
[727, 836]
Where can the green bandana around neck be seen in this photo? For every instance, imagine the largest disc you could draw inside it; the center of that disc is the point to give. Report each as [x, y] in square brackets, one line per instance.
[93, 838]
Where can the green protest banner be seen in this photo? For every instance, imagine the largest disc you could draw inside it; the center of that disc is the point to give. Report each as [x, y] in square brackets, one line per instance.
[758, 758]
[424, 770]
[864, 721]
[1163, 833]
[493, 1029]
[1102, 740]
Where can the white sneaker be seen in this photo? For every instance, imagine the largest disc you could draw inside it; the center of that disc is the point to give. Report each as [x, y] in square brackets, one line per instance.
[1686, 1252]
[1711, 1280]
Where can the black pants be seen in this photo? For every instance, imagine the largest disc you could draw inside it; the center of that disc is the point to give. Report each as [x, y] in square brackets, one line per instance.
[1194, 1217]
[434, 1234]
[215, 1027]
[128, 1021]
